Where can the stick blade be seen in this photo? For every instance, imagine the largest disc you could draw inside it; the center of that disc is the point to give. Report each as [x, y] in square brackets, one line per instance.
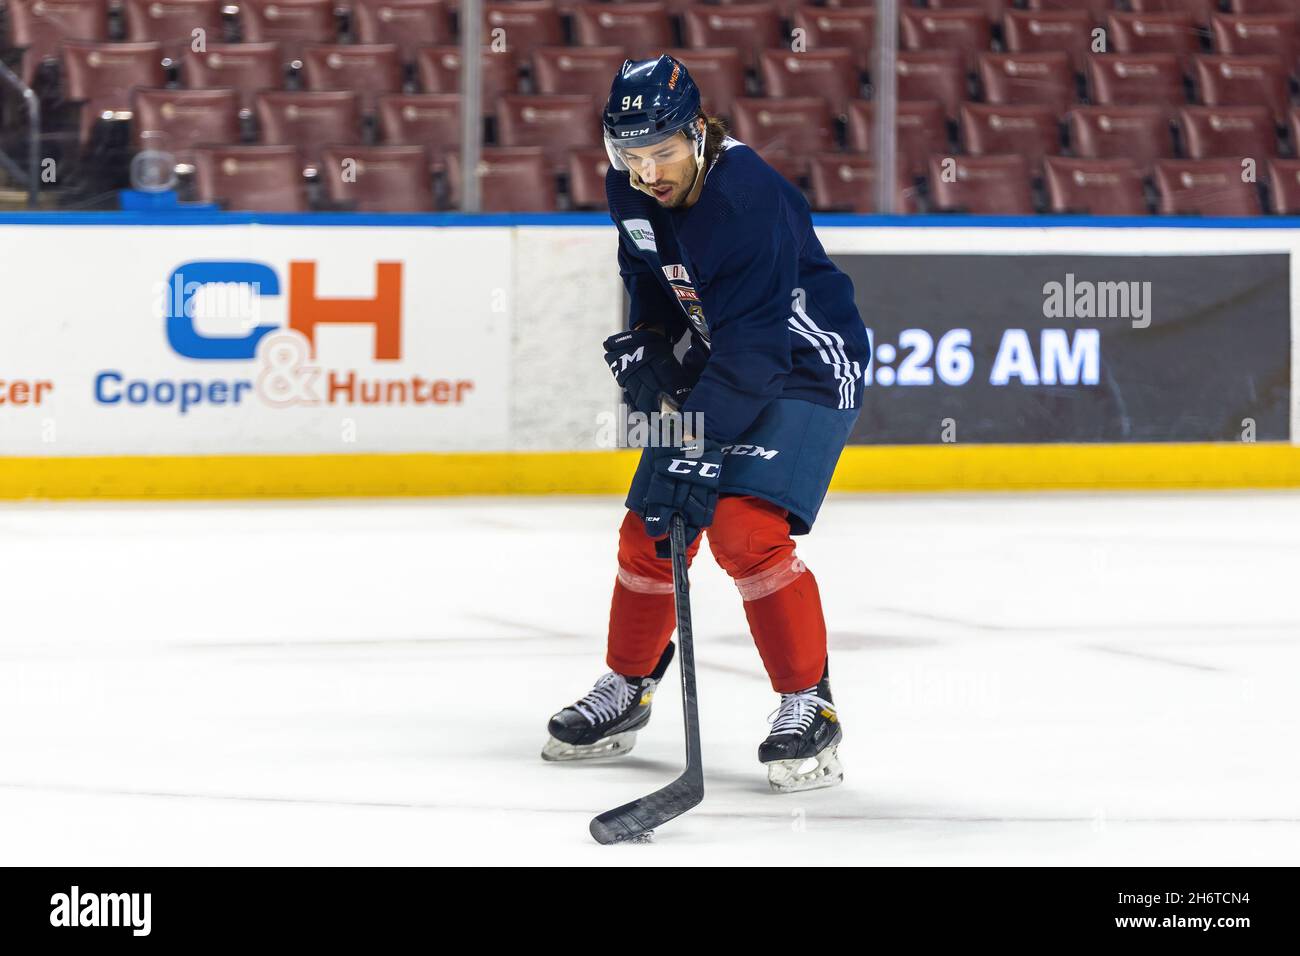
[634, 820]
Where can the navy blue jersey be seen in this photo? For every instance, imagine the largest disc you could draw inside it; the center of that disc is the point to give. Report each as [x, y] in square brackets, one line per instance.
[744, 274]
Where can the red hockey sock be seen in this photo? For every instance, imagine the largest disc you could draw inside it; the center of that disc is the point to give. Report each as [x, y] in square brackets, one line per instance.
[750, 538]
[641, 615]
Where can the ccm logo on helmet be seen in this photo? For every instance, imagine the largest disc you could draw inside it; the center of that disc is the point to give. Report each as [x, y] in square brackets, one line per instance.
[707, 469]
[633, 132]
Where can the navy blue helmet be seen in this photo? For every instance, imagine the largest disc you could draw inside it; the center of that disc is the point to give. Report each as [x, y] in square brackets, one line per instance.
[649, 101]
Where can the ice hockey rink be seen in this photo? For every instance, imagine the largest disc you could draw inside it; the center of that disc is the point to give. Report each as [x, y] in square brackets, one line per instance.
[1023, 679]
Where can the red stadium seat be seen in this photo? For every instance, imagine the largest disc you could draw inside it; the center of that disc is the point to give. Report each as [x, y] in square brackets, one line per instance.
[431, 120]
[829, 74]
[1207, 187]
[1030, 31]
[556, 124]
[410, 24]
[291, 23]
[676, 8]
[1198, 10]
[369, 70]
[1044, 79]
[843, 182]
[438, 70]
[1152, 33]
[1094, 187]
[102, 76]
[172, 22]
[510, 180]
[1243, 81]
[720, 74]
[993, 9]
[585, 70]
[247, 68]
[935, 76]
[748, 27]
[848, 29]
[255, 178]
[1097, 9]
[963, 31]
[41, 26]
[565, 7]
[1136, 79]
[985, 185]
[1217, 132]
[1293, 126]
[308, 120]
[1268, 35]
[642, 29]
[378, 178]
[587, 168]
[921, 130]
[796, 127]
[1253, 7]
[1140, 133]
[176, 121]
[1284, 187]
[524, 25]
[1028, 130]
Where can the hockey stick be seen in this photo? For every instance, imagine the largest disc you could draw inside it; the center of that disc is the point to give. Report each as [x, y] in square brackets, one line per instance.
[639, 818]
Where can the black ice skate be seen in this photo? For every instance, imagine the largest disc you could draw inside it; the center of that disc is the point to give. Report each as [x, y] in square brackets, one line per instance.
[801, 752]
[605, 722]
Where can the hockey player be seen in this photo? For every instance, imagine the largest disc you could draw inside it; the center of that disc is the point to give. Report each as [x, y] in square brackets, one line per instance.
[719, 258]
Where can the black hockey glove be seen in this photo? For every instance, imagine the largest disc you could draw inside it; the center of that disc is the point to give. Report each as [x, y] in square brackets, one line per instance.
[643, 365]
[685, 482]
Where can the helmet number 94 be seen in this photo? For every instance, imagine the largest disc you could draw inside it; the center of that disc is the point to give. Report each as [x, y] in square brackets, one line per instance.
[632, 102]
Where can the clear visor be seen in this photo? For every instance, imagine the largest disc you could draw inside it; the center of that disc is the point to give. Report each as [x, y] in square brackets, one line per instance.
[645, 159]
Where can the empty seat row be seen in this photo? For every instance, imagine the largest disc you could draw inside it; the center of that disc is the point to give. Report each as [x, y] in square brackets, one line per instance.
[1001, 185]
[104, 73]
[177, 119]
[389, 179]
[1005, 185]
[519, 26]
[397, 179]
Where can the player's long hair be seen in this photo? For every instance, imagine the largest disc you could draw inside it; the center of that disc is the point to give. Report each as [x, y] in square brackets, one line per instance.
[715, 131]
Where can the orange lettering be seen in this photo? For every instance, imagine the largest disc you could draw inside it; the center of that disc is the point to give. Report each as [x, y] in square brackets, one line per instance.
[384, 311]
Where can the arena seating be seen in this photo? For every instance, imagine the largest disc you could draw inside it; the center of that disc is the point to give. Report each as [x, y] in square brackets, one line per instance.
[172, 22]
[410, 24]
[1016, 107]
[251, 178]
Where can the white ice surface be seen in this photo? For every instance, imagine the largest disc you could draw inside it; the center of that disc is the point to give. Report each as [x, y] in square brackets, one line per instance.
[1022, 679]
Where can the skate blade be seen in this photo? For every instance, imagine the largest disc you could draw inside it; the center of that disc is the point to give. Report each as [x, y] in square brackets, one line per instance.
[615, 745]
[784, 776]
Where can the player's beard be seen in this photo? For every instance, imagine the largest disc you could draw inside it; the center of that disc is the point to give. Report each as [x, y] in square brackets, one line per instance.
[673, 199]
[676, 197]
[670, 199]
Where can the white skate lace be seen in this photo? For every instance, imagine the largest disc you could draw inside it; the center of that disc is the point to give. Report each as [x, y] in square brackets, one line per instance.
[797, 711]
[607, 699]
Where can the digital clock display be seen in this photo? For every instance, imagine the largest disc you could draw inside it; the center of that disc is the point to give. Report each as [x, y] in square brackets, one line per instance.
[1057, 357]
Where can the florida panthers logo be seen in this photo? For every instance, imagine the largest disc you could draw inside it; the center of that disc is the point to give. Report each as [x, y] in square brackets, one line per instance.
[688, 298]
